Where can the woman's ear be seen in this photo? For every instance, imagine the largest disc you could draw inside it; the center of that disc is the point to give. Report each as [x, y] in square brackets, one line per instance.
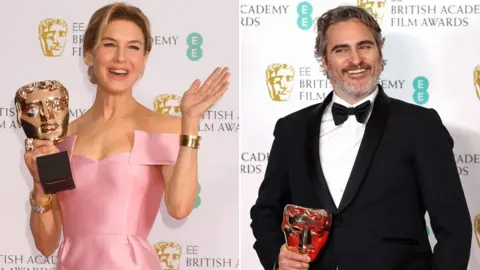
[146, 57]
[88, 59]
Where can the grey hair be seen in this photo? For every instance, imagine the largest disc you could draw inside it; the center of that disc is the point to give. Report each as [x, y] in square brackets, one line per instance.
[341, 14]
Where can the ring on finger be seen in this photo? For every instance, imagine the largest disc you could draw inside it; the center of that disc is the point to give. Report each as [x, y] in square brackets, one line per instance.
[29, 144]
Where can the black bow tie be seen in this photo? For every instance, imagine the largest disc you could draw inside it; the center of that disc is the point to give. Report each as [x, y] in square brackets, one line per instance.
[341, 113]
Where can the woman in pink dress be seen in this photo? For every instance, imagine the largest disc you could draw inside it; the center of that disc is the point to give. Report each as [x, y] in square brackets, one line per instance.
[124, 156]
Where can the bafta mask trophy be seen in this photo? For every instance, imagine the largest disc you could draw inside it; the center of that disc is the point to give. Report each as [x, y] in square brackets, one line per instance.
[306, 230]
[43, 113]
[476, 228]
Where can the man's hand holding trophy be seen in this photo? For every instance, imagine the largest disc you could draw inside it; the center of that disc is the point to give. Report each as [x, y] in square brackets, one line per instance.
[306, 232]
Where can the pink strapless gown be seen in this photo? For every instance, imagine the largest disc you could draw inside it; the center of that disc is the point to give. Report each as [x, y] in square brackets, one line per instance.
[108, 217]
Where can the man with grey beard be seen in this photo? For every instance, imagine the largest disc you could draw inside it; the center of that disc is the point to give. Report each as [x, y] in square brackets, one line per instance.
[376, 163]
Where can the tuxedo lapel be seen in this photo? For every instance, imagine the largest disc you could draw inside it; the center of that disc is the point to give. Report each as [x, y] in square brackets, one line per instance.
[373, 133]
[312, 147]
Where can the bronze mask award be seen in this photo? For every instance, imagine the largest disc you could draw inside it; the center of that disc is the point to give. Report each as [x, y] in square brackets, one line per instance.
[306, 230]
[43, 113]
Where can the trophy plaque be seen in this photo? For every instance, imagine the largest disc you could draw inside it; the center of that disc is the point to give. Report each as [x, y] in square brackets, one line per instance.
[43, 113]
[306, 230]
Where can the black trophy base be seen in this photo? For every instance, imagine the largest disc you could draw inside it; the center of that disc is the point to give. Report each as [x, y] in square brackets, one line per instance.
[55, 172]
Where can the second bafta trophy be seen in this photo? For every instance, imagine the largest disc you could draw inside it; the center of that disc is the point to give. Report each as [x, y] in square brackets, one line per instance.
[306, 230]
[43, 113]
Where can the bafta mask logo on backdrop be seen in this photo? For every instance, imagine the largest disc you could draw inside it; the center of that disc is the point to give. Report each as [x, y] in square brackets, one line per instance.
[279, 78]
[169, 254]
[52, 34]
[476, 228]
[476, 80]
[376, 7]
[167, 104]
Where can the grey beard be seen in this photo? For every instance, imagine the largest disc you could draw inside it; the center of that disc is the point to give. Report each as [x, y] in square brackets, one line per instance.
[361, 93]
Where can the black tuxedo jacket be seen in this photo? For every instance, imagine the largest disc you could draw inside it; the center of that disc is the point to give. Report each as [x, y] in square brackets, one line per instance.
[405, 166]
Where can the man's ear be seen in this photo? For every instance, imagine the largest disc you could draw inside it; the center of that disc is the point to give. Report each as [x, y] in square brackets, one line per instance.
[324, 63]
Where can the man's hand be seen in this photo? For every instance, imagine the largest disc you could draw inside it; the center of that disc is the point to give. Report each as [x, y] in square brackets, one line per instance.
[289, 260]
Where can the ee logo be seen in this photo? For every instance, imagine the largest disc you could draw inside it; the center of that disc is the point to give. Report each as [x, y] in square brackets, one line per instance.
[199, 200]
[194, 42]
[304, 10]
[420, 94]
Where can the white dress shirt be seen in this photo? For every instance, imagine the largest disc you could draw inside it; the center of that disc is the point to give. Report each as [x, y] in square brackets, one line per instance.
[339, 146]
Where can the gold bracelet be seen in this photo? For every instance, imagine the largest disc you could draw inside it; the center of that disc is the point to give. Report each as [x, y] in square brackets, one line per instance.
[190, 141]
[45, 207]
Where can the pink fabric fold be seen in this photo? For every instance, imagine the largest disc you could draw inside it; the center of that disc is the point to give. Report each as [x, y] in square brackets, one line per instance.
[155, 148]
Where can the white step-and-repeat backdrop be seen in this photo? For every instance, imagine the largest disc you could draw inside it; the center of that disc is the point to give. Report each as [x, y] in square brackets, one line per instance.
[190, 39]
[433, 60]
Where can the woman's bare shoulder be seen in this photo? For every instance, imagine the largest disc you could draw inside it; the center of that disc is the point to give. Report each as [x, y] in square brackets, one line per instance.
[74, 126]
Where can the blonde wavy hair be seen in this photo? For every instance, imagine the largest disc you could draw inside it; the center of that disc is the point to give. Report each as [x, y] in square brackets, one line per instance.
[102, 17]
